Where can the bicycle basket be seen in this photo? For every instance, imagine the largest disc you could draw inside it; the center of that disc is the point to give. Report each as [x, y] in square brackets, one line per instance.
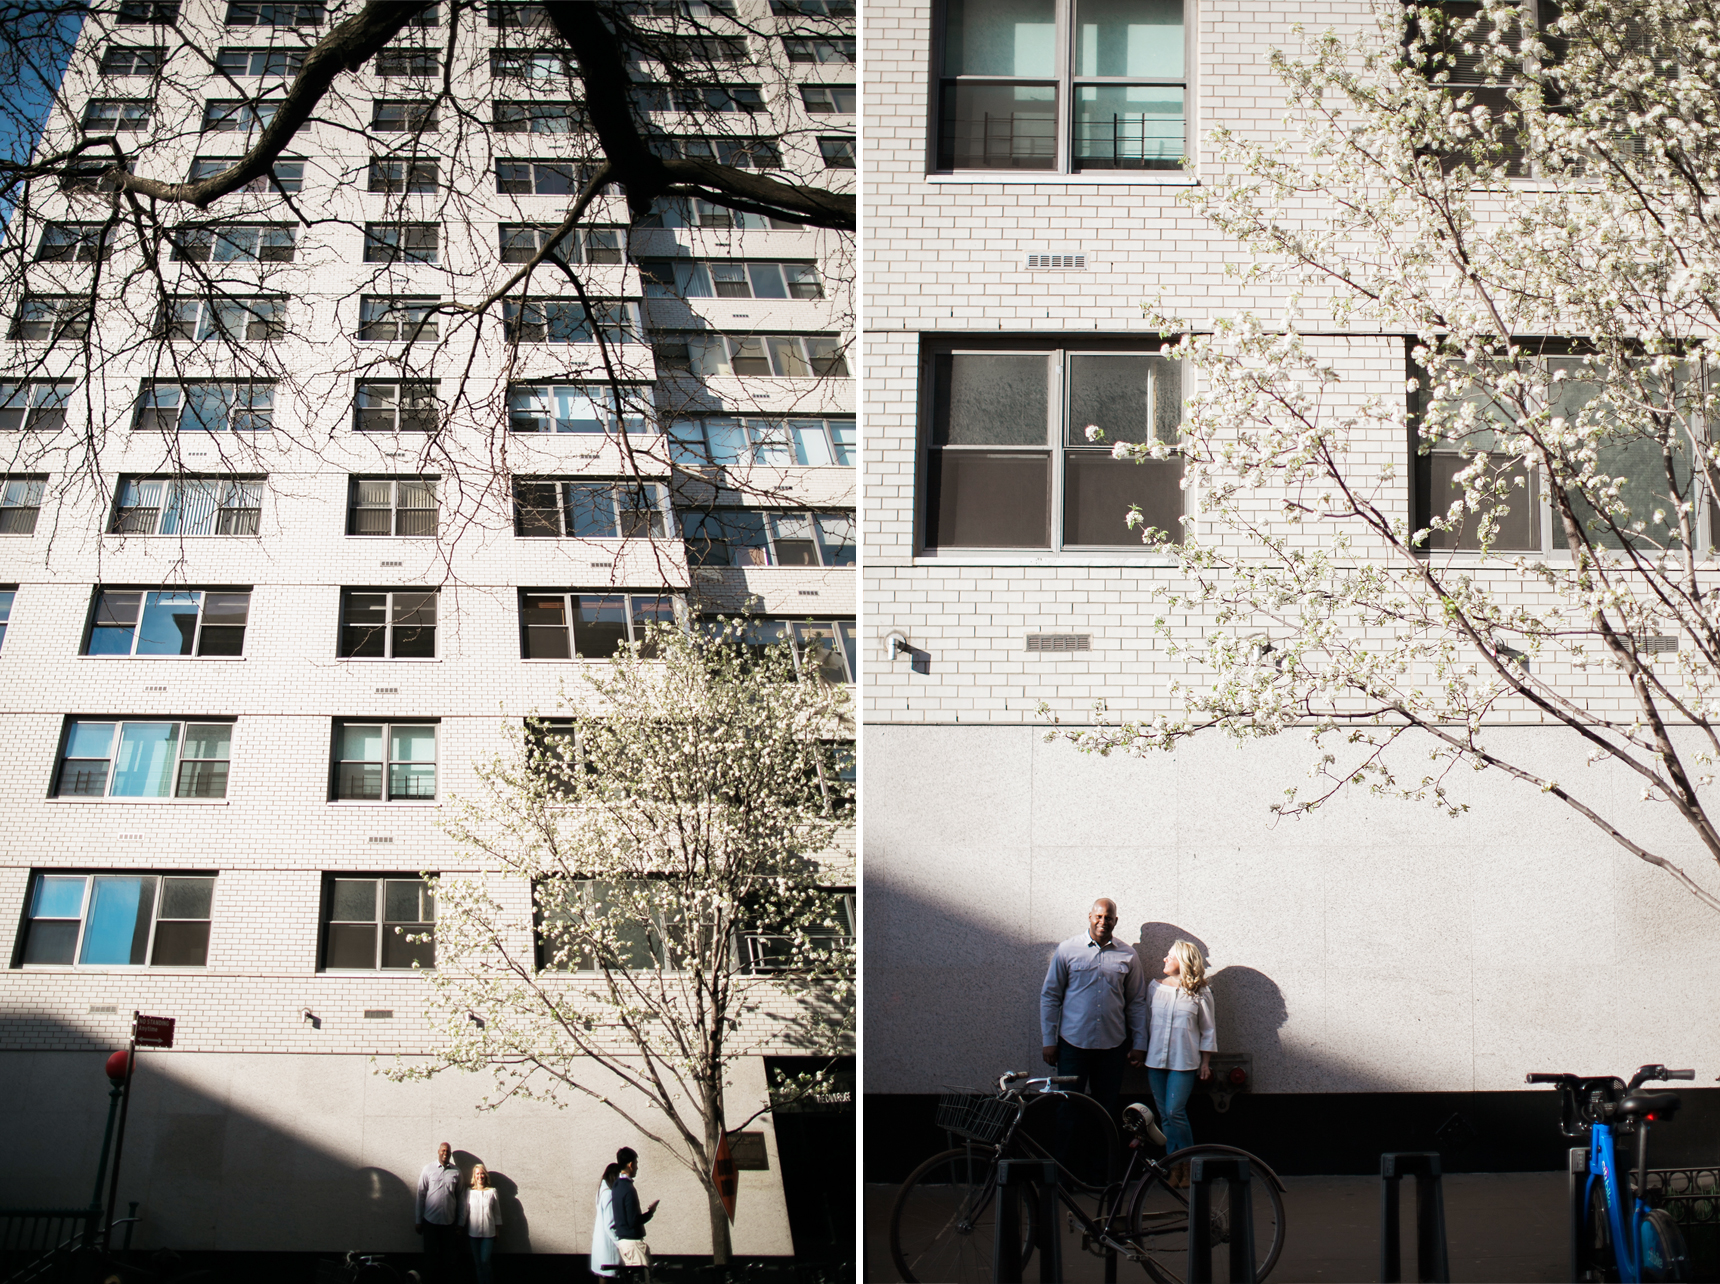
[956, 1105]
[977, 1116]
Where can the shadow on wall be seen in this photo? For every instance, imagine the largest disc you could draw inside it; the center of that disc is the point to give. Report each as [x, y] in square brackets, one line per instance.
[515, 1235]
[1250, 1006]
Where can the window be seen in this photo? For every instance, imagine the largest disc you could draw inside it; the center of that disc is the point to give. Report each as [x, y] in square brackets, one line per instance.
[817, 49]
[392, 115]
[373, 924]
[274, 15]
[582, 408]
[1009, 464]
[39, 404]
[227, 405]
[85, 176]
[388, 624]
[260, 62]
[236, 243]
[429, 16]
[236, 116]
[765, 951]
[111, 115]
[73, 243]
[838, 153]
[539, 178]
[187, 506]
[741, 153]
[828, 100]
[176, 622]
[407, 318]
[406, 62]
[520, 242]
[126, 759]
[145, 13]
[682, 8]
[728, 279]
[538, 118]
[1446, 50]
[132, 60]
[51, 317]
[757, 537]
[401, 242]
[589, 509]
[8, 593]
[1107, 93]
[532, 64]
[237, 320]
[585, 924]
[698, 213]
[385, 761]
[699, 98]
[691, 51]
[287, 176]
[568, 321]
[566, 625]
[406, 405]
[823, 649]
[119, 920]
[404, 175]
[722, 442]
[789, 356]
[20, 502]
[518, 15]
[392, 506]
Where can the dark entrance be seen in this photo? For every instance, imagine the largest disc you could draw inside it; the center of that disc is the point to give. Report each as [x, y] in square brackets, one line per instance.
[815, 1138]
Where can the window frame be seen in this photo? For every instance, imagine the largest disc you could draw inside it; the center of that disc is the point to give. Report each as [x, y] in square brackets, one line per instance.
[96, 626]
[660, 522]
[1066, 83]
[345, 650]
[326, 919]
[619, 420]
[272, 240]
[577, 173]
[764, 438]
[85, 905]
[389, 241]
[222, 513]
[130, 115]
[842, 630]
[415, 174]
[395, 508]
[246, 407]
[418, 388]
[522, 116]
[206, 324]
[154, 13]
[695, 277]
[292, 60]
[1058, 351]
[524, 317]
[116, 53]
[410, 57]
[385, 780]
[697, 353]
[118, 723]
[302, 15]
[255, 115]
[579, 238]
[392, 312]
[273, 181]
[70, 317]
[21, 493]
[41, 398]
[417, 115]
[571, 605]
[831, 89]
[826, 551]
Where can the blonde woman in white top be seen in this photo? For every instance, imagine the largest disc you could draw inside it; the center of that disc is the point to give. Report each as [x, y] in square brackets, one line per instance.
[1181, 1038]
[483, 1220]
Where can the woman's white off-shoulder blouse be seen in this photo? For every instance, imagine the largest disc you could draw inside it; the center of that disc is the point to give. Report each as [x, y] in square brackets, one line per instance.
[1181, 1028]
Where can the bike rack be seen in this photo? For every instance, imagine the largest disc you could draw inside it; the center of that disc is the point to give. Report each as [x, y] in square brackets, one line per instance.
[1431, 1262]
[1013, 1176]
[1203, 1171]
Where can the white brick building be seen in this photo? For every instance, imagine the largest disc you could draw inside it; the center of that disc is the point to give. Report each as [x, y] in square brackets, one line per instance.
[1021, 186]
[296, 656]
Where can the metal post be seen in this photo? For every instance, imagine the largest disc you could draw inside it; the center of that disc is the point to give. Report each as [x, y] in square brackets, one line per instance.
[119, 1139]
[1013, 1176]
[1578, 1166]
[101, 1164]
[1203, 1171]
[1432, 1265]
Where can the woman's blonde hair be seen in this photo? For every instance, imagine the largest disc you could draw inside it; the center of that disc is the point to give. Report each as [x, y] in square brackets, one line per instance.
[476, 1169]
[1192, 979]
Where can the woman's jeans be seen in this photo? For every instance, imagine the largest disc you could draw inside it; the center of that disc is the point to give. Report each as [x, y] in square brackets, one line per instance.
[481, 1250]
[1171, 1090]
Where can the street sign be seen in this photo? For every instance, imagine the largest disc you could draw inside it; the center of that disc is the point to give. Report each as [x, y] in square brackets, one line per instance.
[724, 1175]
[152, 1032]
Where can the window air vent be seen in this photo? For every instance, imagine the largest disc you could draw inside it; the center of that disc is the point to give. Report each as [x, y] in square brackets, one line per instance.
[393, 563]
[155, 688]
[104, 1009]
[807, 592]
[387, 690]
[1058, 262]
[374, 839]
[1059, 641]
[379, 1014]
[1657, 643]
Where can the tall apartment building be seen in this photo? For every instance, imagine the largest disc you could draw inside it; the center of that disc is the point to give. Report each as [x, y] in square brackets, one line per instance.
[1380, 963]
[290, 541]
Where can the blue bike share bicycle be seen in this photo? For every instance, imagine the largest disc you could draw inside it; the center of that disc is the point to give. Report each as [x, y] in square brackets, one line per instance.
[1621, 1238]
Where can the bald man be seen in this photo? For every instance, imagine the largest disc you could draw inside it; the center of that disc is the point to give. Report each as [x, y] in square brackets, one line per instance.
[1093, 1008]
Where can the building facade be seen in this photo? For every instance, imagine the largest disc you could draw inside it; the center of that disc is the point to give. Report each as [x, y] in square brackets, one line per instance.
[1022, 184]
[302, 514]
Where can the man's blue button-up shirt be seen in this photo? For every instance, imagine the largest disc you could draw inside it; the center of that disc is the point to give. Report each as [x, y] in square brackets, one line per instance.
[1095, 996]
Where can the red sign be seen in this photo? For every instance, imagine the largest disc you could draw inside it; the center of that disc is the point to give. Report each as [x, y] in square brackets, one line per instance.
[152, 1032]
[723, 1173]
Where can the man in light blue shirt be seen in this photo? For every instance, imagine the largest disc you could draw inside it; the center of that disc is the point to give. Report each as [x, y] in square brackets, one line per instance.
[1093, 1008]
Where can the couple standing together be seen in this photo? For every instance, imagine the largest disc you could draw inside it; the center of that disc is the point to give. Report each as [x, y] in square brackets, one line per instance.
[1098, 1012]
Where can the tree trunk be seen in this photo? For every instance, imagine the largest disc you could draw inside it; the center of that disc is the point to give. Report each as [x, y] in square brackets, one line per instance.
[719, 1226]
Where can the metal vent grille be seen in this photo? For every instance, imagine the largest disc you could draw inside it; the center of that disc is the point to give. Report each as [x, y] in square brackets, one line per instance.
[1059, 641]
[1059, 262]
[379, 1014]
[1657, 643]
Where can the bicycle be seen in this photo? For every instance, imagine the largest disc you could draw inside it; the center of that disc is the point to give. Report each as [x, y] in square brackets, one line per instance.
[944, 1219]
[1623, 1238]
[362, 1268]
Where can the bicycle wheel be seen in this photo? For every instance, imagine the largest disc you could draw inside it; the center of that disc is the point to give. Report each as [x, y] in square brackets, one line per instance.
[1661, 1250]
[1599, 1264]
[1077, 1132]
[943, 1225]
[1158, 1218]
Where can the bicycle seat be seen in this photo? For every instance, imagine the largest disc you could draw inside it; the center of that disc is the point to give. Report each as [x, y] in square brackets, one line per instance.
[1649, 1105]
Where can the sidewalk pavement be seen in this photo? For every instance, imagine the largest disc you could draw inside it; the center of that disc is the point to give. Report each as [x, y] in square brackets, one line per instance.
[1499, 1227]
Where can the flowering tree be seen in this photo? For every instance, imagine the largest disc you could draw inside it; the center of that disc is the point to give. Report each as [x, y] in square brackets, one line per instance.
[653, 902]
[1544, 555]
